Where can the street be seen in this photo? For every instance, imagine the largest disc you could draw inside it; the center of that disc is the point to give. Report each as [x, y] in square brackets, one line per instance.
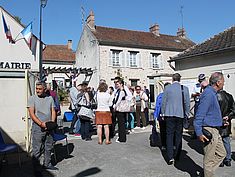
[132, 159]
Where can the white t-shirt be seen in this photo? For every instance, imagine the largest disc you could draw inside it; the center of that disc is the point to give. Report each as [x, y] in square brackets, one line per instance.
[104, 101]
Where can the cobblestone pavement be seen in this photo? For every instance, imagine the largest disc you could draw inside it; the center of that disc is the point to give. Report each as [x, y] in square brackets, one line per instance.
[132, 159]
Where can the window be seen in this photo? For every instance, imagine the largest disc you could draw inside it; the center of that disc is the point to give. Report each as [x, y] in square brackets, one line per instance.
[133, 59]
[156, 61]
[116, 57]
[134, 82]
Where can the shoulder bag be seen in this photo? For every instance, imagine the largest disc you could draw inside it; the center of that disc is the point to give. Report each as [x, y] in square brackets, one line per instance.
[186, 124]
[124, 105]
[84, 110]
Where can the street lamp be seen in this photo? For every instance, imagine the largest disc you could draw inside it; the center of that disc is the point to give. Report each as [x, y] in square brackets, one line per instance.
[43, 4]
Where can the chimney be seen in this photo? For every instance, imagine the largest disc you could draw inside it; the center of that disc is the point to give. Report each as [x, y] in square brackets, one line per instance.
[155, 29]
[70, 44]
[91, 20]
[181, 32]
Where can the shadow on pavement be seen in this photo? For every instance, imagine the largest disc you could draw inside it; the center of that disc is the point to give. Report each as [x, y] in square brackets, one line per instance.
[194, 144]
[233, 156]
[186, 164]
[88, 172]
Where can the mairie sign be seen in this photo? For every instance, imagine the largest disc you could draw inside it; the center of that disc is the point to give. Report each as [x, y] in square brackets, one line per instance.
[14, 65]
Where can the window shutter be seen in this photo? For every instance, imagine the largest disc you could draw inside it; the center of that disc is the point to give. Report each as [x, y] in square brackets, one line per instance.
[122, 57]
[150, 61]
[161, 62]
[110, 58]
[138, 61]
[128, 59]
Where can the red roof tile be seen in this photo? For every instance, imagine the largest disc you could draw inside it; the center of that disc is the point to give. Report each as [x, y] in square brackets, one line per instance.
[139, 39]
[58, 53]
[220, 42]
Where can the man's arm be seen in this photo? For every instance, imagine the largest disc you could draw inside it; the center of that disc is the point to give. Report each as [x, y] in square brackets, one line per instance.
[186, 101]
[201, 113]
[35, 118]
[53, 114]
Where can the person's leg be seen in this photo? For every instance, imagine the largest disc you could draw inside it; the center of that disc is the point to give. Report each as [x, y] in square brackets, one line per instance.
[75, 118]
[142, 114]
[112, 127]
[47, 153]
[106, 129]
[162, 124]
[127, 121]
[78, 126]
[214, 153]
[82, 129]
[138, 110]
[226, 142]
[132, 120]
[37, 147]
[87, 130]
[99, 133]
[178, 137]
[170, 129]
[146, 113]
[121, 116]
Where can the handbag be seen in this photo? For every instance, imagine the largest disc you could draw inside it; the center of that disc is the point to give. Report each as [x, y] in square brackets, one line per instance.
[86, 113]
[186, 123]
[124, 106]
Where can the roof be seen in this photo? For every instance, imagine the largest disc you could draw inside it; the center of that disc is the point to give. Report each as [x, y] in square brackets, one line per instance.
[218, 43]
[58, 53]
[140, 39]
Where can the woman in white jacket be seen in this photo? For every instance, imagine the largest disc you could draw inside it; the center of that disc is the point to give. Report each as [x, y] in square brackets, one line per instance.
[140, 104]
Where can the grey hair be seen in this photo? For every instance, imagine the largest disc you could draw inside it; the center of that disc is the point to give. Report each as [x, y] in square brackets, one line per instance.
[215, 77]
[43, 84]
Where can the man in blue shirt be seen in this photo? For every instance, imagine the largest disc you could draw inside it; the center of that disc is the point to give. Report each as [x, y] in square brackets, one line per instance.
[208, 117]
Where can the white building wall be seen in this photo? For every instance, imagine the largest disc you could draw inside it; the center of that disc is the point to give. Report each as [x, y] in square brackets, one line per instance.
[224, 63]
[87, 56]
[12, 84]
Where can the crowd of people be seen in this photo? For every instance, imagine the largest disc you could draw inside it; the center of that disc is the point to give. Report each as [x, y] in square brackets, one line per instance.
[109, 99]
[122, 105]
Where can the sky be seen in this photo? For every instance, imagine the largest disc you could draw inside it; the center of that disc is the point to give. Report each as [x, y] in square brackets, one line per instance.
[62, 19]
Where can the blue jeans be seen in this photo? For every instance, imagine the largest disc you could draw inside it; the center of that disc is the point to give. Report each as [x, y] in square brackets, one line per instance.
[130, 121]
[227, 146]
[78, 126]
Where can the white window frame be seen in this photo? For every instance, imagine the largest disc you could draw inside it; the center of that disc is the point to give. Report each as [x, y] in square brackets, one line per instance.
[156, 60]
[116, 58]
[133, 59]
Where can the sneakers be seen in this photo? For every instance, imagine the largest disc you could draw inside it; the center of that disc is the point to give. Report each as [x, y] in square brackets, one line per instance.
[171, 162]
[50, 167]
[77, 134]
[143, 128]
[227, 163]
[117, 141]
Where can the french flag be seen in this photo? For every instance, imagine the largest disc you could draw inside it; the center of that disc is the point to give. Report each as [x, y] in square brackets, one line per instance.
[27, 34]
[7, 30]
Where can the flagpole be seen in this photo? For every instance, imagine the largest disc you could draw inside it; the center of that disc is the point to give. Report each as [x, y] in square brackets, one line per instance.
[43, 4]
[40, 50]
